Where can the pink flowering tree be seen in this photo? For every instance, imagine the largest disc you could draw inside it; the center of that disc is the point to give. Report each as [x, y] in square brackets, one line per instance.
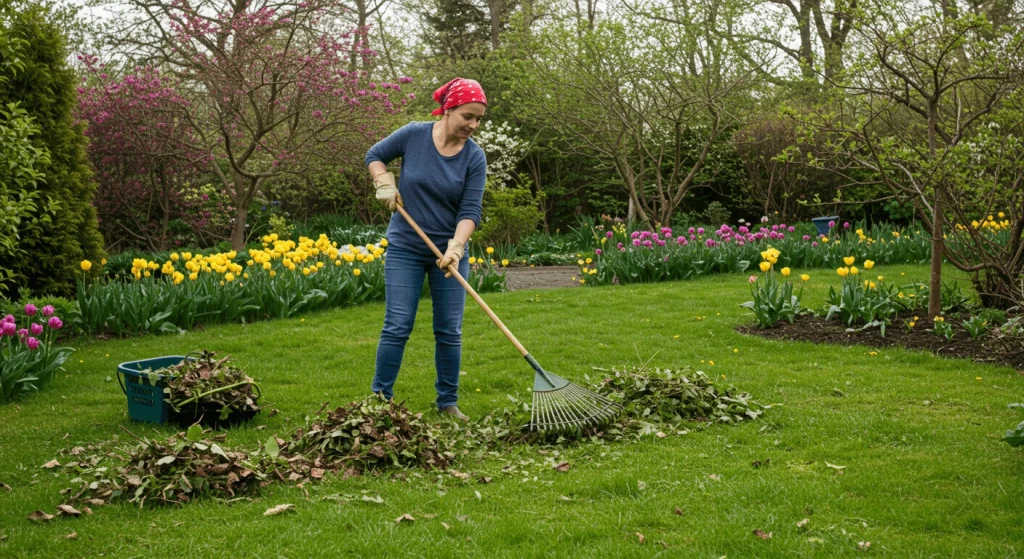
[268, 87]
[143, 152]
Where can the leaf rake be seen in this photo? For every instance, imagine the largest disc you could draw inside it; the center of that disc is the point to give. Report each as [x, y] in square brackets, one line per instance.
[557, 403]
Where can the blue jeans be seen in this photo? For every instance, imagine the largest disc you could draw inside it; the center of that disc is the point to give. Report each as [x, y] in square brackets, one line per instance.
[403, 283]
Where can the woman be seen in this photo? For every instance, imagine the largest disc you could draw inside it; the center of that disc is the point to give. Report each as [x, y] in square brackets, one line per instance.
[441, 185]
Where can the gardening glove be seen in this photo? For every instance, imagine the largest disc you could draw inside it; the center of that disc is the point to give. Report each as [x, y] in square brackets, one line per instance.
[452, 256]
[387, 191]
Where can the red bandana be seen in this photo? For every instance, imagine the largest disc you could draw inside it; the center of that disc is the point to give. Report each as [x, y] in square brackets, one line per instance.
[458, 92]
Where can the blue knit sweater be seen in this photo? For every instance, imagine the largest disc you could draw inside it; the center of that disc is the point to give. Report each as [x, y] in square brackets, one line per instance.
[438, 192]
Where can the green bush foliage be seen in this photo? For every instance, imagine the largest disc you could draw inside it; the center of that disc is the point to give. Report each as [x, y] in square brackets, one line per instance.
[510, 214]
[45, 88]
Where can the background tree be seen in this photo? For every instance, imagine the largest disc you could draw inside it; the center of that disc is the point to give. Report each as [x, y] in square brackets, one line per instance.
[140, 148]
[918, 97]
[649, 104]
[268, 84]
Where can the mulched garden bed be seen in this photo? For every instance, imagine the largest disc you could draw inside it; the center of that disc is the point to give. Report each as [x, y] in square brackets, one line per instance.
[818, 330]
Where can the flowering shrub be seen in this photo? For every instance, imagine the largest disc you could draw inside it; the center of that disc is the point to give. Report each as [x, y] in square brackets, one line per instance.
[27, 357]
[281, 280]
[504, 151]
[773, 300]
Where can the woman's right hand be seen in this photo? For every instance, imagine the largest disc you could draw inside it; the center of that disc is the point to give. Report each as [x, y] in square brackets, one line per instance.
[387, 191]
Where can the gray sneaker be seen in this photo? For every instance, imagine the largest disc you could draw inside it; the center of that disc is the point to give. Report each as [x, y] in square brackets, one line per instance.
[454, 412]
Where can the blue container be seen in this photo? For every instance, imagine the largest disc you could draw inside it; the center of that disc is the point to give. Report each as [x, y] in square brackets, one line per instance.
[821, 223]
[145, 389]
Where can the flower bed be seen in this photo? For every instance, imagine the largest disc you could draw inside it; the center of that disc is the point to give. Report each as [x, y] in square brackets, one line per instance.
[282, 280]
[665, 255]
[27, 356]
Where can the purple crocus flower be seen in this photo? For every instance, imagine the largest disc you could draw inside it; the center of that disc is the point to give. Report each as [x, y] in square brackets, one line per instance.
[30, 309]
[55, 323]
[48, 310]
[36, 328]
[32, 343]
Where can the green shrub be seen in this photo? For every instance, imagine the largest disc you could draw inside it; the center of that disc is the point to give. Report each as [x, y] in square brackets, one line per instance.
[995, 317]
[45, 88]
[509, 215]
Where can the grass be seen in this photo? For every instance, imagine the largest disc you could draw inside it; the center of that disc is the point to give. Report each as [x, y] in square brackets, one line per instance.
[924, 472]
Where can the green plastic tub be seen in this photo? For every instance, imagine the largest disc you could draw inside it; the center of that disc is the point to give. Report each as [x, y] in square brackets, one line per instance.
[145, 389]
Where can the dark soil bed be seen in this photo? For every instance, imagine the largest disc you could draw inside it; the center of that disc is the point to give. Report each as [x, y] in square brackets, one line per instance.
[818, 330]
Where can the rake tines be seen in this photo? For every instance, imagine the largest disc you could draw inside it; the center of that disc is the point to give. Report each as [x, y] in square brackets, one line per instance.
[559, 404]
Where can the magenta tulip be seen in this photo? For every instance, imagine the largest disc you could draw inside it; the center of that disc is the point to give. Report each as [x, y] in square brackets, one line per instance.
[36, 328]
[48, 310]
[32, 343]
[30, 309]
[55, 323]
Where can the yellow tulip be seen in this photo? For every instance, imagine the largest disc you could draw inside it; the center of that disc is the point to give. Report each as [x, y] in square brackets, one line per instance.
[805, 277]
[490, 250]
[229, 276]
[86, 265]
[504, 262]
[765, 266]
[849, 260]
[868, 264]
[854, 270]
[843, 272]
[785, 272]
[356, 272]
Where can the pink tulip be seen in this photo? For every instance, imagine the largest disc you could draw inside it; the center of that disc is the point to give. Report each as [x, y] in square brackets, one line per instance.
[55, 323]
[791, 229]
[23, 333]
[36, 328]
[30, 309]
[753, 279]
[8, 328]
[9, 318]
[32, 343]
[48, 310]
[831, 224]
[807, 237]
[598, 252]
[700, 230]
[609, 234]
[814, 244]
[846, 224]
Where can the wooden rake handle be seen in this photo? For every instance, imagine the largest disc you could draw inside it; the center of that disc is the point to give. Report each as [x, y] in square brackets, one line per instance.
[465, 284]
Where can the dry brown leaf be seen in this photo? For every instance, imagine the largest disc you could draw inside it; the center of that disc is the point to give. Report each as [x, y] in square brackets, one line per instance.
[429, 515]
[405, 518]
[461, 475]
[446, 526]
[5, 486]
[641, 538]
[661, 435]
[272, 511]
[678, 511]
[803, 523]
[97, 502]
[68, 510]
[462, 517]
[40, 516]
[864, 546]
[77, 451]
[485, 479]
[87, 511]
[51, 464]
[317, 473]
[763, 535]
[563, 467]
[71, 536]
[663, 544]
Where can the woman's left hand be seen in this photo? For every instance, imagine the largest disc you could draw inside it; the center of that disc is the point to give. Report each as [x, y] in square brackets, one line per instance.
[452, 256]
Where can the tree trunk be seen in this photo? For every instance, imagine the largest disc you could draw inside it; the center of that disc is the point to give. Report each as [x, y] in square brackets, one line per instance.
[935, 290]
[238, 227]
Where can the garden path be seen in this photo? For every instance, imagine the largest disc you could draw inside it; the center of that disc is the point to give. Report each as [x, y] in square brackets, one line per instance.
[542, 277]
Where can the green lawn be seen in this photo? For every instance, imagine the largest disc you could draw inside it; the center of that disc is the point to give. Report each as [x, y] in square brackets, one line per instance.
[924, 472]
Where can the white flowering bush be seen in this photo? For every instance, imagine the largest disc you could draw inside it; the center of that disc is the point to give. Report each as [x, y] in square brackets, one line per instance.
[504, 150]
